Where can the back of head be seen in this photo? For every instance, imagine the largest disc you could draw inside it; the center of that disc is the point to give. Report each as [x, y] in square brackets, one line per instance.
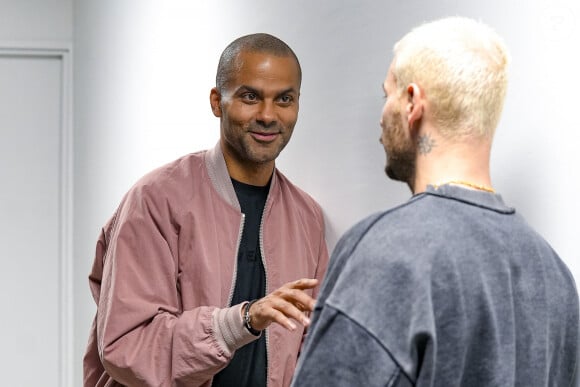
[461, 65]
[254, 43]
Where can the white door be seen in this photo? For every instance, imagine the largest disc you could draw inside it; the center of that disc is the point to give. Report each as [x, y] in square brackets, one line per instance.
[33, 219]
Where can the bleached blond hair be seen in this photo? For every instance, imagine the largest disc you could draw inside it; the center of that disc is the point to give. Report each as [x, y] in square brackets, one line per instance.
[461, 65]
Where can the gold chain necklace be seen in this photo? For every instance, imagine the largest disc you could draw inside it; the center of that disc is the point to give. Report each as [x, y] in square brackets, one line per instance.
[467, 184]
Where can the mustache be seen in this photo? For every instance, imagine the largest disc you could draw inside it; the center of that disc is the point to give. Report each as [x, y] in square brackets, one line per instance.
[260, 127]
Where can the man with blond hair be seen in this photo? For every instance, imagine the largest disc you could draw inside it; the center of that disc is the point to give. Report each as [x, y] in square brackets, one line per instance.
[452, 288]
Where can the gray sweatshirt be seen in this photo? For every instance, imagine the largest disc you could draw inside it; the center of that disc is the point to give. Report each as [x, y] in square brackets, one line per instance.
[452, 288]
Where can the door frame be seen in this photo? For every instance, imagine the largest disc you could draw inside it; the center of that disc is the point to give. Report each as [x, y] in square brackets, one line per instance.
[62, 52]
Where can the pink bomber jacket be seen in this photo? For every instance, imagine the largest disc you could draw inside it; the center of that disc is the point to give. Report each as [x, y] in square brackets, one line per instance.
[164, 274]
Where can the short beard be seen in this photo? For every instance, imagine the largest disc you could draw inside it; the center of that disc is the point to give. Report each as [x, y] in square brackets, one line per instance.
[402, 167]
[401, 153]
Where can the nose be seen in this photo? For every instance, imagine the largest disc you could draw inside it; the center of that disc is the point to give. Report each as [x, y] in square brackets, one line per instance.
[266, 113]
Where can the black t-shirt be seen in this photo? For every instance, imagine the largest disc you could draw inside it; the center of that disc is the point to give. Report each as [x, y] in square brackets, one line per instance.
[248, 366]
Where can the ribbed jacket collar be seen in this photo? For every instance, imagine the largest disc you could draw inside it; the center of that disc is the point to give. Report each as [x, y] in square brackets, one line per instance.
[220, 178]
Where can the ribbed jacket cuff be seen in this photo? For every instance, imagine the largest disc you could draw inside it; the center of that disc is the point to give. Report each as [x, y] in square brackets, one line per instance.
[229, 328]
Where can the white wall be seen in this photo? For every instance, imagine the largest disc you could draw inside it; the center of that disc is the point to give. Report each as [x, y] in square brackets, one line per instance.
[36, 21]
[35, 41]
[144, 69]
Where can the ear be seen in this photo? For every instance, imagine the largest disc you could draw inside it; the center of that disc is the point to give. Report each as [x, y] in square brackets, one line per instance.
[414, 104]
[215, 101]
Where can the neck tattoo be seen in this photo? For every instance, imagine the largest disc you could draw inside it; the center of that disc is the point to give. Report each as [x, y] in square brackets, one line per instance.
[425, 144]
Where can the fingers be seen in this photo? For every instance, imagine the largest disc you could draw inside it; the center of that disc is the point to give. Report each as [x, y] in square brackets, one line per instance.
[282, 317]
[293, 292]
[303, 283]
[299, 300]
[271, 309]
[285, 304]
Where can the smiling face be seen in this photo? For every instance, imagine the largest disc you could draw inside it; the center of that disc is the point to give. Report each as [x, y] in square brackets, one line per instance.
[258, 109]
[399, 146]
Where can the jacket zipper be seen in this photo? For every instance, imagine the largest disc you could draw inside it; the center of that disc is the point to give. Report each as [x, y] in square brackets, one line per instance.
[261, 238]
[235, 274]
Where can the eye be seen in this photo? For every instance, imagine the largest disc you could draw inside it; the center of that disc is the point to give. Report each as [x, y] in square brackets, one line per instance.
[249, 97]
[286, 99]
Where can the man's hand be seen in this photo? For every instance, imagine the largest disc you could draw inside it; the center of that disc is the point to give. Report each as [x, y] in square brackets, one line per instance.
[284, 304]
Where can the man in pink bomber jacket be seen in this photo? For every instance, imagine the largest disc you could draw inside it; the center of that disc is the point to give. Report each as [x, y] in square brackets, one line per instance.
[206, 273]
